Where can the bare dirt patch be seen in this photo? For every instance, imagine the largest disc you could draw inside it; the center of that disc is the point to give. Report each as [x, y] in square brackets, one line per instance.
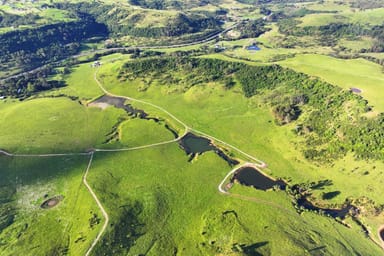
[99, 105]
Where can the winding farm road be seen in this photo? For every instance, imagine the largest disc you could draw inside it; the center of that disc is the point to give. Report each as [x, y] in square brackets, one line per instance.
[6, 153]
[105, 214]
[259, 163]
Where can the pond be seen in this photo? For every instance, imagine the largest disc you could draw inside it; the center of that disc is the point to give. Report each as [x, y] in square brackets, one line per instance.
[253, 48]
[119, 102]
[250, 176]
[381, 233]
[195, 145]
[52, 202]
[340, 213]
[355, 90]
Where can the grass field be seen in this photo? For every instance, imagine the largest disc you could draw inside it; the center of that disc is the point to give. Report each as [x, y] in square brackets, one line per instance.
[367, 17]
[357, 45]
[179, 209]
[360, 73]
[159, 201]
[139, 132]
[246, 123]
[54, 125]
[63, 229]
[80, 83]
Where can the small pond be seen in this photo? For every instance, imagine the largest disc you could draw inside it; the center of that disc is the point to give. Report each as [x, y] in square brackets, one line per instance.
[51, 202]
[341, 213]
[250, 176]
[119, 102]
[253, 48]
[194, 145]
[355, 90]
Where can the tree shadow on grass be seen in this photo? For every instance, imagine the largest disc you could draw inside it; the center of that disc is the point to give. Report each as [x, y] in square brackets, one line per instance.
[251, 250]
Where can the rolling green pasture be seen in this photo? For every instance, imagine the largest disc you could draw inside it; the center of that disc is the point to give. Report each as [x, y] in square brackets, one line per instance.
[139, 132]
[248, 124]
[49, 125]
[367, 17]
[271, 47]
[174, 206]
[64, 229]
[326, 6]
[160, 203]
[321, 19]
[80, 83]
[359, 73]
[357, 45]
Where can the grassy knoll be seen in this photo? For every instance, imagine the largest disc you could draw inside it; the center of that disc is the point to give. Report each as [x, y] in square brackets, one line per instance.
[356, 46]
[367, 17]
[54, 125]
[80, 83]
[272, 49]
[69, 228]
[326, 6]
[139, 132]
[161, 204]
[320, 19]
[360, 73]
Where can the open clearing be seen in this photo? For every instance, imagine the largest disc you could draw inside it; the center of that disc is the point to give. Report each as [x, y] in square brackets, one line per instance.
[360, 73]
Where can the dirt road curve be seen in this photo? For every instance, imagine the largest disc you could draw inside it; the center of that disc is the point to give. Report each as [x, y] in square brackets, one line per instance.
[105, 214]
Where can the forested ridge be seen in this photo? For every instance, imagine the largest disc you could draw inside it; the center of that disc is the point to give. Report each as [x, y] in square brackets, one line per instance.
[329, 34]
[35, 45]
[112, 17]
[329, 119]
[29, 48]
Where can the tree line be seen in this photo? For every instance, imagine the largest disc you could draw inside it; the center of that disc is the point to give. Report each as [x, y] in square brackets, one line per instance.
[328, 131]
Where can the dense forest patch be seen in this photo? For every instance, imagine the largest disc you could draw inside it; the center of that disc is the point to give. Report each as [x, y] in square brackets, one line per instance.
[170, 4]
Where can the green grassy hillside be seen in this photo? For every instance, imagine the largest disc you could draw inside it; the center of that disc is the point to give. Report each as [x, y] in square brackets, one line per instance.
[92, 155]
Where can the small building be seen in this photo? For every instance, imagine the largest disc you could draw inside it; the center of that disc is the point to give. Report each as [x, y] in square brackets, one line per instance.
[96, 64]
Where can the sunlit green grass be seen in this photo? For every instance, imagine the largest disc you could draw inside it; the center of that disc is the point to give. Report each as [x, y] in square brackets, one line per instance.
[368, 17]
[359, 73]
[50, 125]
[248, 124]
[139, 132]
[37, 231]
[183, 211]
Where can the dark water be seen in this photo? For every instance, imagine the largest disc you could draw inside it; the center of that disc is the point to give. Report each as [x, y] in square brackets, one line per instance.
[382, 234]
[253, 48]
[119, 102]
[194, 145]
[250, 176]
[341, 213]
